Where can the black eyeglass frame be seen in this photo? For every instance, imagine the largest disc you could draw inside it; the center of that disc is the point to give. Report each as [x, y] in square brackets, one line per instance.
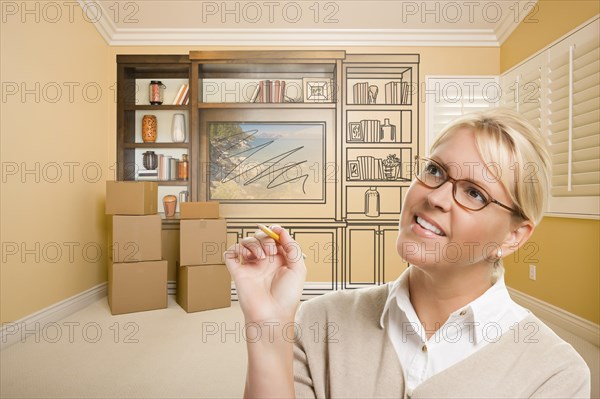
[453, 181]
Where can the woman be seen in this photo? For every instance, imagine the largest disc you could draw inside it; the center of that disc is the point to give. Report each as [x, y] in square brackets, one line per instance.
[447, 326]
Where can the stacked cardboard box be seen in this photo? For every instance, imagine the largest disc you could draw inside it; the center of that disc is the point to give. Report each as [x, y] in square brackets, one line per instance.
[137, 274]
[203, 281]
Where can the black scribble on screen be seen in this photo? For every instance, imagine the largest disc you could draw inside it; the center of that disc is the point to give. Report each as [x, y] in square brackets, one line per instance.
[274, 175]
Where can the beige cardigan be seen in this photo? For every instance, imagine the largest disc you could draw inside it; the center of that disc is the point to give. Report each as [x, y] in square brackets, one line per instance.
[342, 352]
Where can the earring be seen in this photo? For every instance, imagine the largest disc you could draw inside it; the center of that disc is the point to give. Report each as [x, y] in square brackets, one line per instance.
[499, 254]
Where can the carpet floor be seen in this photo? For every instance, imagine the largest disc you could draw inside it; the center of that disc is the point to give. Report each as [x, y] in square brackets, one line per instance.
[164, 353]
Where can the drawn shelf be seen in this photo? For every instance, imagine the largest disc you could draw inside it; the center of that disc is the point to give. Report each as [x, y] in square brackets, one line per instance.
[373, 85]
[380, 135]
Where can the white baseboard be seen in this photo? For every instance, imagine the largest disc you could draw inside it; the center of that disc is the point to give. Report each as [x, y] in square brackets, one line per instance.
[11, 332]
[568, 321]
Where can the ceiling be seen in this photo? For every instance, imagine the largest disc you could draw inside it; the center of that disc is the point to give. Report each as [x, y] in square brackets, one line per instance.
[307, 22]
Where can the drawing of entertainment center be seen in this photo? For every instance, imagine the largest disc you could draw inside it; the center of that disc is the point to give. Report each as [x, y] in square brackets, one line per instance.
[321, 142]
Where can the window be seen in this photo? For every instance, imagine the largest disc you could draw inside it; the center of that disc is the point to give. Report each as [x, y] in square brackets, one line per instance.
[449, 97]
[522, 90]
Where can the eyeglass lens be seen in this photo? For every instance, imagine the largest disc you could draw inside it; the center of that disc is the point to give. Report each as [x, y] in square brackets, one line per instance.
[465, 192]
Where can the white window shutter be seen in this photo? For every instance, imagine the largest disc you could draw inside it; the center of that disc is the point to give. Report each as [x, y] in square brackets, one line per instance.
[509, 84]
[530, 89]
[450, 97]
[566, 109]
[574, 114]
[522, 90]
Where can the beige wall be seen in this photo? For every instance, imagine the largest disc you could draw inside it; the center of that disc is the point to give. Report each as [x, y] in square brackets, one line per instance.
[59, 134]
[565, 251]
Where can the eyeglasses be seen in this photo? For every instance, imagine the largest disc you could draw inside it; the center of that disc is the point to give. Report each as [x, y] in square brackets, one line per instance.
[467, 194]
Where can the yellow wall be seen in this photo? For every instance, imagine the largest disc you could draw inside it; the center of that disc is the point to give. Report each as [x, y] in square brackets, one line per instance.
[568, 258]
[59, 133]
[566, 255]
[550, 20]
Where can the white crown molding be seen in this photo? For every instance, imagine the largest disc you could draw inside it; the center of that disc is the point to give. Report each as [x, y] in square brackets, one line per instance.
[299, 37]
[507, 26]
[574, 324]
[105, 26]
[12, 332]
[115, 36]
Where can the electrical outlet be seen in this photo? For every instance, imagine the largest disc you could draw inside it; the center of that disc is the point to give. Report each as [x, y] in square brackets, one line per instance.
[532, 272]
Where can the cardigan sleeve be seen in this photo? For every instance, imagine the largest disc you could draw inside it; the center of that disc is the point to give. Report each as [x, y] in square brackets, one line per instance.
[302, 379]
[570, 382]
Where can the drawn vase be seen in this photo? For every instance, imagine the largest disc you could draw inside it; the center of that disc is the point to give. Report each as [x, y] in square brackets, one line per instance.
[390, 171]
[372, 202]
[372, 95]
[387, 131]
[149, 124]
[150, 160]
[178, 128]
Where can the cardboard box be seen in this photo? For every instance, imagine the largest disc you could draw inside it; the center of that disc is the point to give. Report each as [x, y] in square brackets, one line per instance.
[170, 252]
[131, 197]
[203, 287]
[199, 210]
[202, 241]
[136, 238]
[137, 286]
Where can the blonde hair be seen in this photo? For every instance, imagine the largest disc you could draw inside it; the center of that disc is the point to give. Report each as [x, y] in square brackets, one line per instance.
[506, 140]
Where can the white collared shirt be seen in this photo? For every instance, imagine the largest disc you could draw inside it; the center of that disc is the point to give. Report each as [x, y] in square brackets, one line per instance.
[467, 330]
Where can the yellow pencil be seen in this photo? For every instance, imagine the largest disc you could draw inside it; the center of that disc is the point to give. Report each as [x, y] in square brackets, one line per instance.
[272, 234]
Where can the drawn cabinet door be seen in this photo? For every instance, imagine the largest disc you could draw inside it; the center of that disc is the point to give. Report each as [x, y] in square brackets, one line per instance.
[320, 247]
[360, 268]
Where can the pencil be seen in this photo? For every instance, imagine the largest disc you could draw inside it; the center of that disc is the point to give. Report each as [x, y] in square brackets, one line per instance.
[272, 234]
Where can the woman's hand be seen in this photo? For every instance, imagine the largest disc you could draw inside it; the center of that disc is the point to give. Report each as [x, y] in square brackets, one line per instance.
[269, 277]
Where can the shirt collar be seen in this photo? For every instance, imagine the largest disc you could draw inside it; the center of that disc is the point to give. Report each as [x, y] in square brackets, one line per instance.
[398, 291]
[487, 308]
